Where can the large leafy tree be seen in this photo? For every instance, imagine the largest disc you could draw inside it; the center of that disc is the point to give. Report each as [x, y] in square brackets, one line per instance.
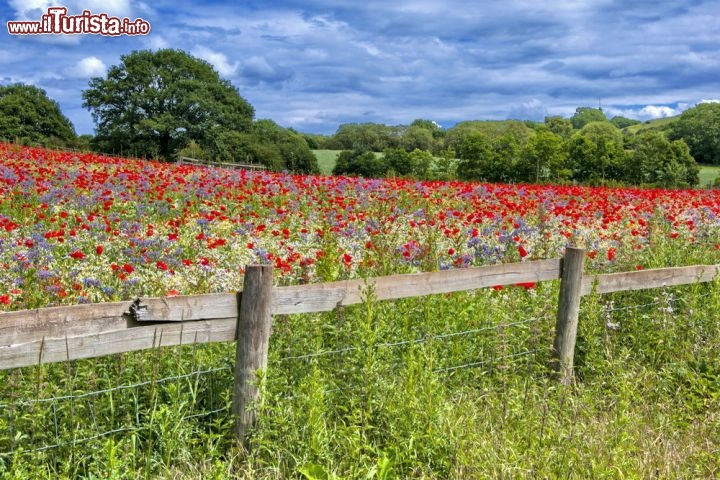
[543, 158]
[27, 114]
[700, 128]
[596, 153]
[154, 103]
[585, 115]
[659, 162]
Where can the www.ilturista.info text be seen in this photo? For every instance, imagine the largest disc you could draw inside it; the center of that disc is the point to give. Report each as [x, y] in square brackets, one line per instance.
[57, 22]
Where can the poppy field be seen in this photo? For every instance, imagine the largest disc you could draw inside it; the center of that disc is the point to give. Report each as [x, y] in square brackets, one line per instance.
[80, 228]
[444, 386]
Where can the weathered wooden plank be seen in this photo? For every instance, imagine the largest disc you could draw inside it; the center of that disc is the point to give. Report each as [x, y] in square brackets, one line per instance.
[30, 325]
[327, 296]
[89, 345]
[645, 279]
[186, 308]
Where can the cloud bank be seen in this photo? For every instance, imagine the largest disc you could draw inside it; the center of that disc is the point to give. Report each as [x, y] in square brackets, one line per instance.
[314, 65]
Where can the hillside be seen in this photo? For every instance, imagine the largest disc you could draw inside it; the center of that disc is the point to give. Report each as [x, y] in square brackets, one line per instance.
[660, 124]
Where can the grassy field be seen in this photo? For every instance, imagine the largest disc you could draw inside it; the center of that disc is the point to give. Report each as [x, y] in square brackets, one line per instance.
[708, 174]
[326, 160]
[657, 124]
[448, 387]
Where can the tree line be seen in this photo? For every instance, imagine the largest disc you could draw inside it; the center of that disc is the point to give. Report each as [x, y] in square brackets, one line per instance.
[586, 148]
[166, 103]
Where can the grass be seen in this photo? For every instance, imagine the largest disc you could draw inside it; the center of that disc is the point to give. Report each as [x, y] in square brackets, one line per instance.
[708, 174]
[656, 124]
[445, 386]
[326, 160]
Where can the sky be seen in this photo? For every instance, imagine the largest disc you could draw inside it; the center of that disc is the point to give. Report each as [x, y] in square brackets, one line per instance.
[314, 65]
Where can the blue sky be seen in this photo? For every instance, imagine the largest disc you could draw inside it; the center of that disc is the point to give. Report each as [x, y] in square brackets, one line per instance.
[314, 65]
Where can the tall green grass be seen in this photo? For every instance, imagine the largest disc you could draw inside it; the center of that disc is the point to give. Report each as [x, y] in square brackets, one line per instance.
[446, 386]
[708, 174]
[326, 160]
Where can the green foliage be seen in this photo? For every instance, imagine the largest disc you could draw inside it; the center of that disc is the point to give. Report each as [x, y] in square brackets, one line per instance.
[29, 116]
[491, 129]
[294, 151]
[154, 103]
[192, 150]
[445, 166]
[543, 159]
[559, 126]
[356, 162]
[448, 386]
[236, 147]
[585, 115]
[699, 127]
[399, 161]
[659, 162]
[365, 136]
[596, 153]
[417, 138]
[476, 157]
[622, 122]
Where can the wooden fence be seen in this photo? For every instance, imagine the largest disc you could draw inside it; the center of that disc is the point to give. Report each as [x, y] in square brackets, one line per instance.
[243, 166]
[66, 333]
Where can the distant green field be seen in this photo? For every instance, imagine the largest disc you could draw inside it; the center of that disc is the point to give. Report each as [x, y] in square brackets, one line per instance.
[657, 124]
[708, 174]
[326, 160]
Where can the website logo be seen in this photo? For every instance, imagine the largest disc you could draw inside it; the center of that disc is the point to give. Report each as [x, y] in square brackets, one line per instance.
[57, 22]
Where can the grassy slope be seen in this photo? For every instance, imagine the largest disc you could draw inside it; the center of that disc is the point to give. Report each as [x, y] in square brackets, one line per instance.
[326, 160]
[657, 124]
[708, 174]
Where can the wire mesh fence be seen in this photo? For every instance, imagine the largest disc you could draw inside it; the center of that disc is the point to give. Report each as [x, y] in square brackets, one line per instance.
[60, 410]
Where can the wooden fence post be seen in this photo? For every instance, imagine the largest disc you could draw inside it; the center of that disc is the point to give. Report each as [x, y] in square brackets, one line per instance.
[253, 334]
[568, 312]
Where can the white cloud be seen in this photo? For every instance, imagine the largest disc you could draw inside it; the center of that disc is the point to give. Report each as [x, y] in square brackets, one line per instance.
[156, 42]
[87, 67]
[532, 109]
[217, 59]
[655, 111]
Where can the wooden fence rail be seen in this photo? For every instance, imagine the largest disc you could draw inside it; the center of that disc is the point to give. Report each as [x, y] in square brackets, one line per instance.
[243, 166]
[60, 334]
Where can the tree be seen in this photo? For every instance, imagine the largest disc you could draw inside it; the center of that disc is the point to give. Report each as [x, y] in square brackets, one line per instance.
[662, 163]
[399, 161]
[154, 103]
[421, 161]
[476, 153]
[622, 122]
[27, 114]
[417, 137]
[362, 163]
[559, 126]
[543, 158]
[700, 128]
[596, 153]
[585, 115]
[373, 137]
